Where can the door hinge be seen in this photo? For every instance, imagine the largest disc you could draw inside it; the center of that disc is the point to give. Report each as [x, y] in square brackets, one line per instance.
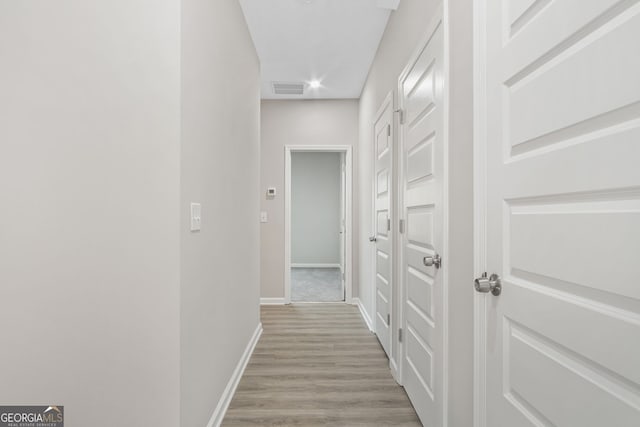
[400, 334]
[389, 130]
[400, 115]
[388, 319]
[401, 226]
[388, 224]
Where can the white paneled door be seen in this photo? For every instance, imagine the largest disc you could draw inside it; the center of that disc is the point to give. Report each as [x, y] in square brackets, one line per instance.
[420, 96]
[560, 149]
[382, 237]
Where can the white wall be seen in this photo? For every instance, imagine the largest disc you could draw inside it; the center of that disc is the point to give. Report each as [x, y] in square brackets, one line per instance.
[89, 184]
[461, 213]
[405, 29]
[220, 271]
[315, 208]
[317, 122]
[114, 115]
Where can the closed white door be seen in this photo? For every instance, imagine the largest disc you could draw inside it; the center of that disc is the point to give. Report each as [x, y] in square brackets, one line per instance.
[561, 156]
[421, 147]
[382, 237]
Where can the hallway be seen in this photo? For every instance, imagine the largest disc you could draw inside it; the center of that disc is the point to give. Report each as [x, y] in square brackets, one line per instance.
[272, 212]
[318, 365]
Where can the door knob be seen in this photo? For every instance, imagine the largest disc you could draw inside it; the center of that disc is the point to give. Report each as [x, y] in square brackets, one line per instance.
[432, 261]
[373, 239]
[491, 284]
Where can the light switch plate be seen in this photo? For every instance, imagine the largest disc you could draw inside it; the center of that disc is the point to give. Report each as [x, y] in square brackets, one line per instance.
[196, 216]
[264, 217]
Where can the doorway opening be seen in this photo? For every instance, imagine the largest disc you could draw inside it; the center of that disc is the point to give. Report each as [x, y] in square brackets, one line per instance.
[317, 224]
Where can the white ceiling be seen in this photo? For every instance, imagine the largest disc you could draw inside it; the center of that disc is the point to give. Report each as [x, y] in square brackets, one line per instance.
[333, 41]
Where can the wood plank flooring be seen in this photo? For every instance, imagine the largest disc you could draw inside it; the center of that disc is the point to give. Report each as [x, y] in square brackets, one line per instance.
[318, 365]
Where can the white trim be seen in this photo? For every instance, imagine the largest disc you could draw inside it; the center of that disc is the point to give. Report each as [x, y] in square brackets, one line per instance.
[319, 302]
[288, 149]
[232, 385]
[480, 210]
[446, 91]
[310, 265]
[364, 314]
[395, 371]
[440, 17]
[287, 225]
[271, 301]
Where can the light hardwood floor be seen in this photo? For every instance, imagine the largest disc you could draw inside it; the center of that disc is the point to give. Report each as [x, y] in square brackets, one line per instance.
[318, 365]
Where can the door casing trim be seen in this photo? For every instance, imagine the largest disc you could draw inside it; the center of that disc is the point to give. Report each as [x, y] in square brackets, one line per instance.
[347, 150]
[479, 210]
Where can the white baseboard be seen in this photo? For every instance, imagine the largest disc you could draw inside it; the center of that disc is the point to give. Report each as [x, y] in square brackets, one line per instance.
[272, 301]
[315, 265]
[230, 389]
[395, 373]
[363, 313]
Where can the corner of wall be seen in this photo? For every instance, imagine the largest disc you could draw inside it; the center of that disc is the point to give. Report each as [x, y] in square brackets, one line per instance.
[220, 144]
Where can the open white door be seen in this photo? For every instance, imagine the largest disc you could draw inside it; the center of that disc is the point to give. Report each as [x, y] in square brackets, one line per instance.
[383, 237]
[420, 97]
[558, 164]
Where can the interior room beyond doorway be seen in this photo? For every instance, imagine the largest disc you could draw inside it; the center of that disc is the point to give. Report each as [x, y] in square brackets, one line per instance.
[318, 211]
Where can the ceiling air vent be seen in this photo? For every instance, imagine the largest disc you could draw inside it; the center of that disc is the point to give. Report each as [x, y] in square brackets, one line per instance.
[280, 88]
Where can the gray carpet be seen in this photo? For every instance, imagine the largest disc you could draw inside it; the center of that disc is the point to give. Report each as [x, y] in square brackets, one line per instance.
[316, 285]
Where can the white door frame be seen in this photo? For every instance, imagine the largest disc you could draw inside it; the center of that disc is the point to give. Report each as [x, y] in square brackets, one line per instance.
[480, 211]
[288, 149]
[441, 17]
[343, 217]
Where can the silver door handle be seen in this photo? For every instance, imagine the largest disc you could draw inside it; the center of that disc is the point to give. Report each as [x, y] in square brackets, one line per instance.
[432, 261]
[486, 284]
[373, 239]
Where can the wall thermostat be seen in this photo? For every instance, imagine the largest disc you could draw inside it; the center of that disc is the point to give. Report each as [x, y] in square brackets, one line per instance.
[271, 192]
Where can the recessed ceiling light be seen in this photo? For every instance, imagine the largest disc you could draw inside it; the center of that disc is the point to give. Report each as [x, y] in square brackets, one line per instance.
[314, 84]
